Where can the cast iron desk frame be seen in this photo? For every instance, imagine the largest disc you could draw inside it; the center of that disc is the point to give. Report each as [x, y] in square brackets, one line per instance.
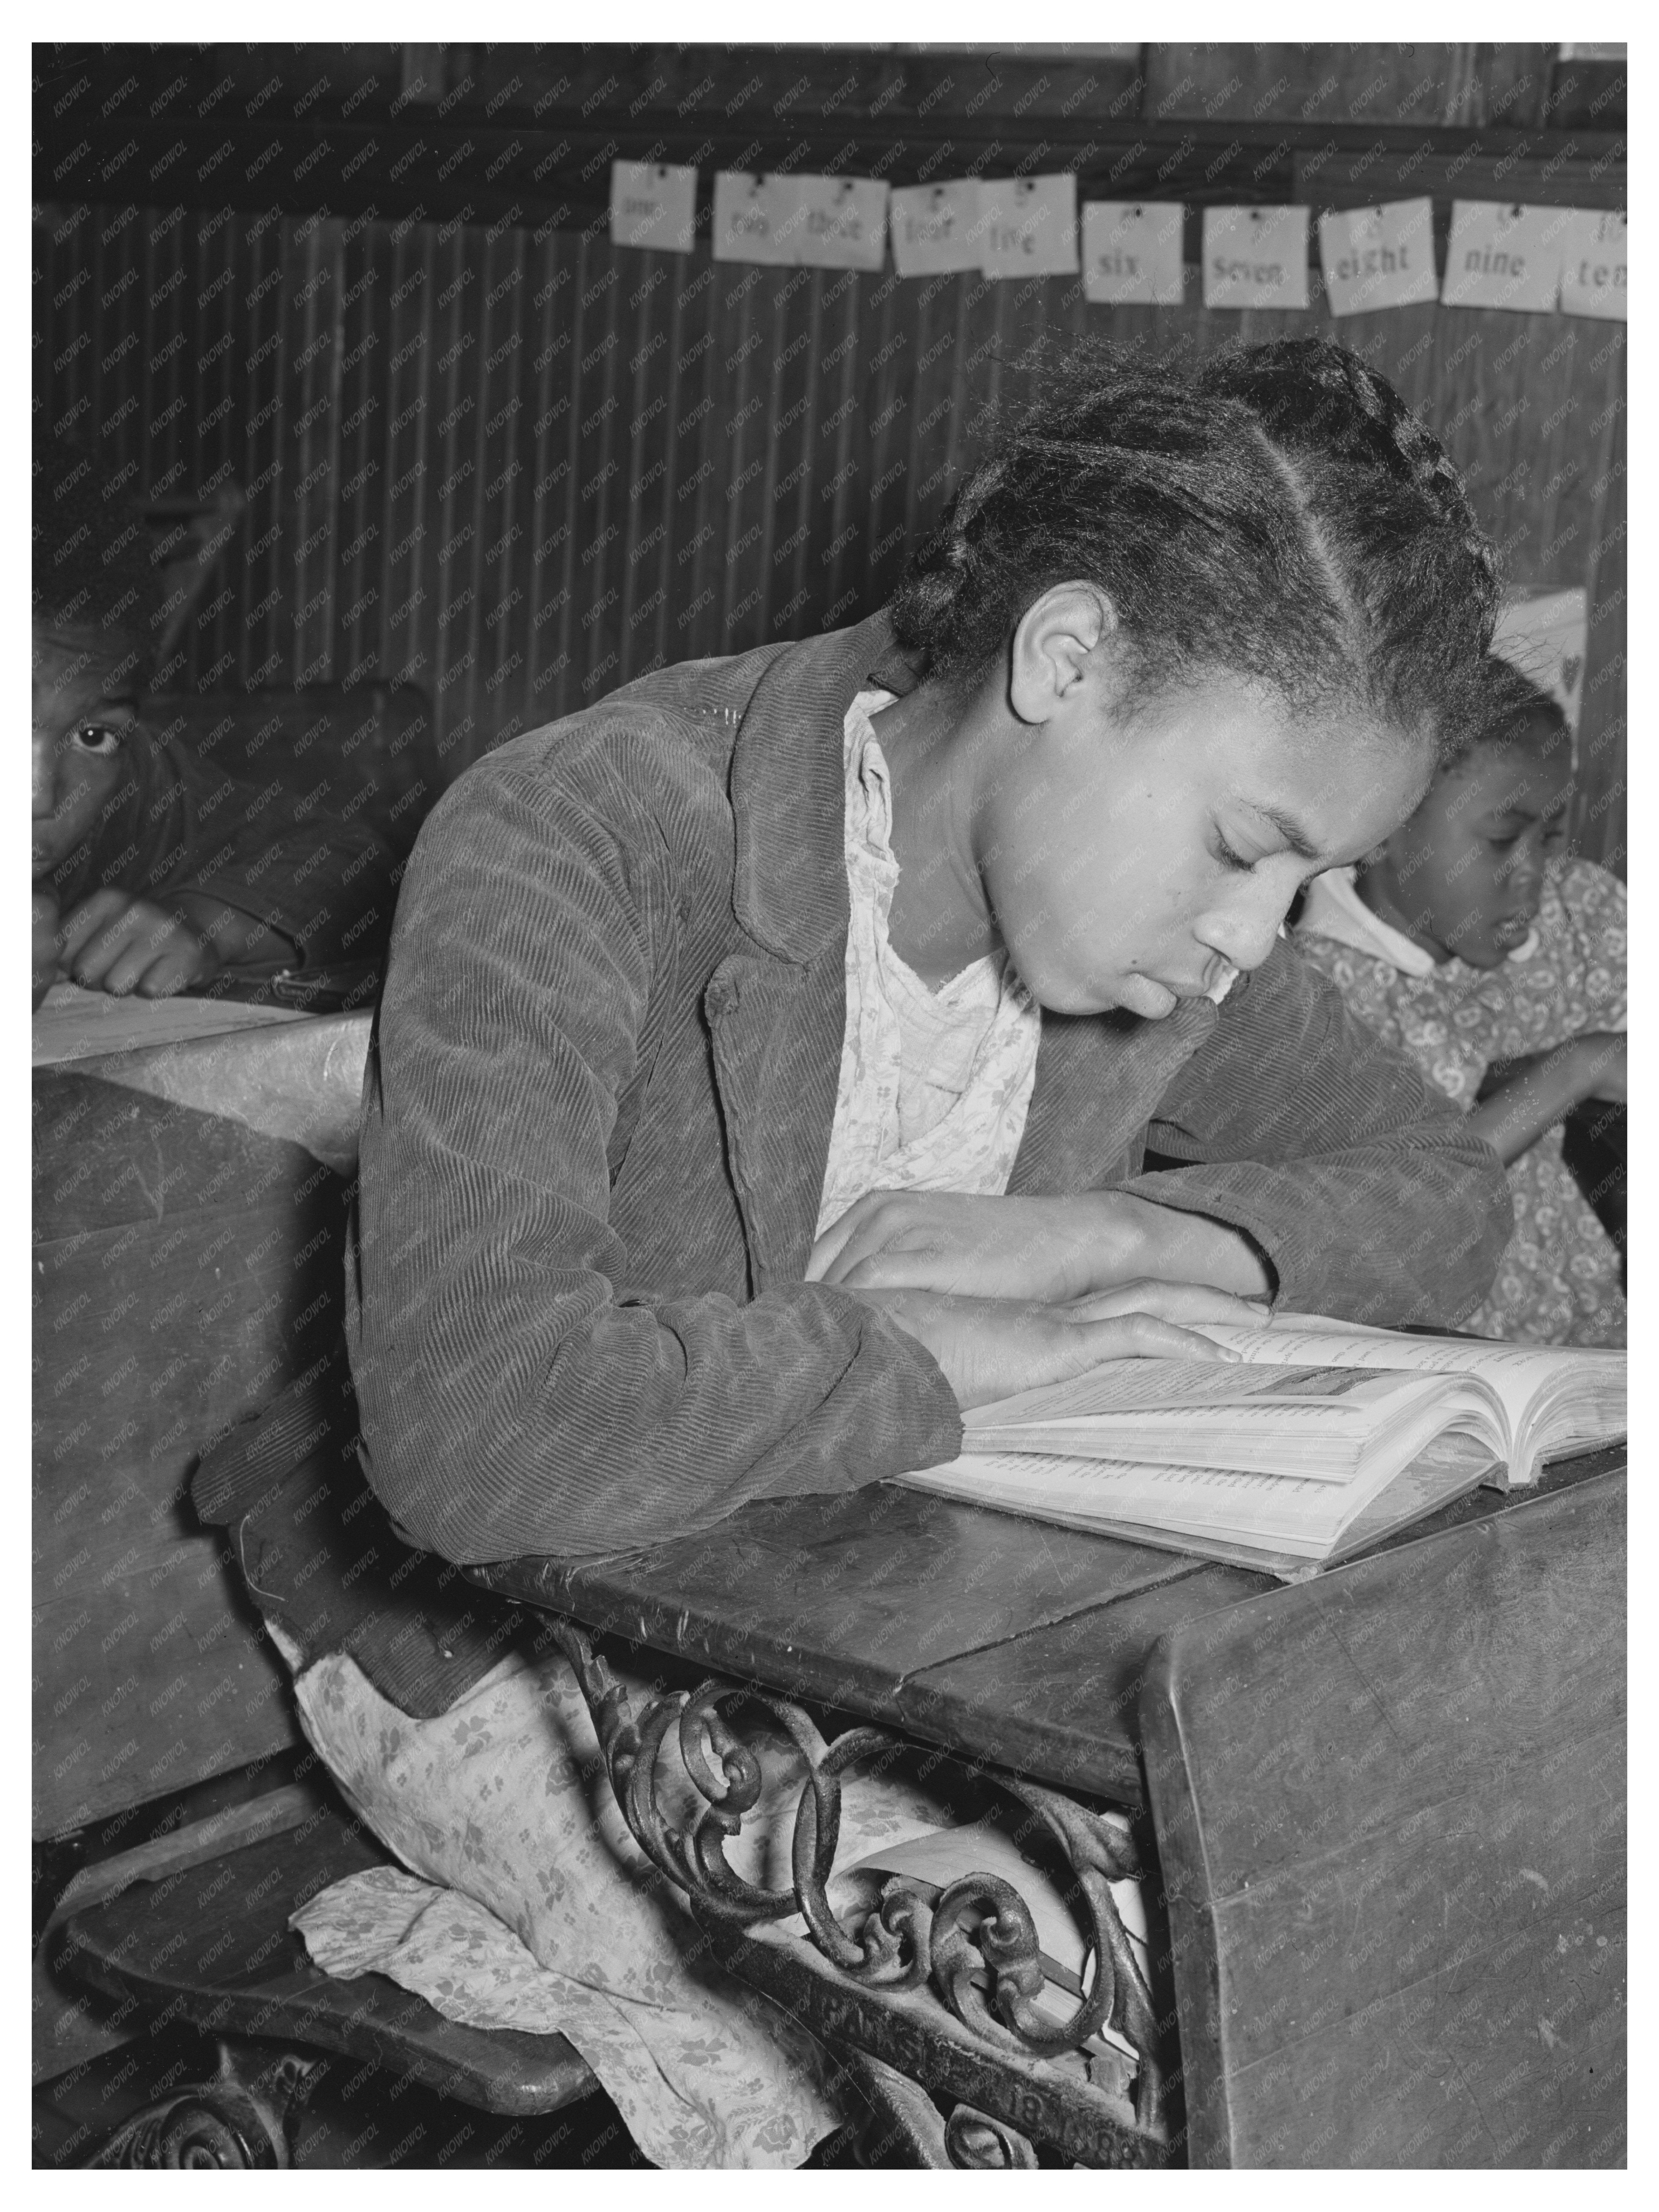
[1037, 1657]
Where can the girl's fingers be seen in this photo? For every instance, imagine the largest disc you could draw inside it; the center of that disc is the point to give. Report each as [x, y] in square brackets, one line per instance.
[1175, 1302]
[169, 974]
[1143, 1336]
[88, 919]
[863, 1232]
[921, 1269]
[125, 973]
[821, 1267]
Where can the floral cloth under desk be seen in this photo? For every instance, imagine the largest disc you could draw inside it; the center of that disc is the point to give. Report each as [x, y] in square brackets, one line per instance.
[528, 1904]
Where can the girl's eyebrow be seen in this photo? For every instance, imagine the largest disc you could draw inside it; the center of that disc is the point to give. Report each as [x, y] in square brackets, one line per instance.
[1289, 829]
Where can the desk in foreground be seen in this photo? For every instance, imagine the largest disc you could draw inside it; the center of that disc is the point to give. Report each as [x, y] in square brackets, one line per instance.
[1004, 1639]
[1387, 1803]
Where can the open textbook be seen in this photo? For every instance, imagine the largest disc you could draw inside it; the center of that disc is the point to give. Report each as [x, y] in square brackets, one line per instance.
[1323, 1438]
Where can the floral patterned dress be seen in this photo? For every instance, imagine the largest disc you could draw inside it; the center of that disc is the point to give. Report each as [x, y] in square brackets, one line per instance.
[1557, 1282]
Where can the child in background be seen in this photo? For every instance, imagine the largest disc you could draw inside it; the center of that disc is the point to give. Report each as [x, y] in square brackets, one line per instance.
[1470, 940]
[153, 871]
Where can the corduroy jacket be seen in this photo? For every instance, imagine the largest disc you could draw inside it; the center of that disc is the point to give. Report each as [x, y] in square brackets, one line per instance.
[598, 1108]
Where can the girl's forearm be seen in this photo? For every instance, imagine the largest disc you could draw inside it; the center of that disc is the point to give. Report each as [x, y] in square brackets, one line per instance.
[239, 938]
[1533, 1096]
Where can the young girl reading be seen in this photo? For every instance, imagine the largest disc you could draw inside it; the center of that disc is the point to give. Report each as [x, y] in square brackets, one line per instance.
[1471, 940]
[770, 1054]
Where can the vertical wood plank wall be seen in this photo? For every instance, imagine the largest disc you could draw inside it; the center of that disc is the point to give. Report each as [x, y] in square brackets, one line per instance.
[520, 468]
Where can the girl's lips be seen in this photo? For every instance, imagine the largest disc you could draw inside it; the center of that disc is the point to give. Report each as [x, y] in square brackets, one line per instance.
[1141, 995]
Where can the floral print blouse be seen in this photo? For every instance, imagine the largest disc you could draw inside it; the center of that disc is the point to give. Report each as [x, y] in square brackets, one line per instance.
[1558, 1280]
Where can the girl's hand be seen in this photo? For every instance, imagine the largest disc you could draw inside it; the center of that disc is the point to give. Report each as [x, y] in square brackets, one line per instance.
[114, 942]
[1026, 1249]
[989, 1348]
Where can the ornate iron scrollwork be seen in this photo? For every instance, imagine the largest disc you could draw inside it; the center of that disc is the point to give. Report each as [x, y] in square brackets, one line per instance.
[980, 2142]
[240, 2122]
[974, 1945]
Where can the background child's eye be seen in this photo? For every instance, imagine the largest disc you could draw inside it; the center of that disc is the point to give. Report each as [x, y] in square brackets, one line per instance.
[96, 738]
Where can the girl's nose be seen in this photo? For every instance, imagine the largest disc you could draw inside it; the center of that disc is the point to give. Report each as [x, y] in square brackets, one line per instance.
[1245, 932]
[1524, 877]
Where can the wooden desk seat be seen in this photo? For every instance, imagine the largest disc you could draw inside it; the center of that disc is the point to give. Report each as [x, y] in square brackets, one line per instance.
[211, 1945]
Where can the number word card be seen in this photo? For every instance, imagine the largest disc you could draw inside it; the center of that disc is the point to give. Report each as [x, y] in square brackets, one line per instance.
[1593, 265]
[832, 223]
[1029, 226]
[1256, 257]
[746, 211]
[1548, 638]
[1378, 257]
[651, 204]
[935, 227]
[1505, 257]
[1132, 254]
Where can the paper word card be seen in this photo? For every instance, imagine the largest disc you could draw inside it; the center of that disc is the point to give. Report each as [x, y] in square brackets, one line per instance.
[1029, 226]
[1547, 637]
[1256, 257]
[1378, 257]
[830, 222]
[1132, 254]
[1593, 265]
[1505, 257]
[651, 204]
[936, 227]
[745, 219]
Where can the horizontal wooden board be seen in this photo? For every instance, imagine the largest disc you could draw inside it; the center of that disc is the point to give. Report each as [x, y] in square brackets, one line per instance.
[845, 1598]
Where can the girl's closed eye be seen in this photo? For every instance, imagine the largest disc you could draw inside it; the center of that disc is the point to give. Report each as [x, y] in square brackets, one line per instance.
[1228, 857]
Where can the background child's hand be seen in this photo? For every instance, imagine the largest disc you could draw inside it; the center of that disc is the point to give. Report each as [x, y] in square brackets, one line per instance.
[43, 947]
[1602, 1060]
[114, 942]
[1521, 1098]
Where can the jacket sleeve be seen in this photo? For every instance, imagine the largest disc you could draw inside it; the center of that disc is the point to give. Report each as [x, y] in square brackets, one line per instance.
[326, 881]
[514, 1397]
[1356, 1179]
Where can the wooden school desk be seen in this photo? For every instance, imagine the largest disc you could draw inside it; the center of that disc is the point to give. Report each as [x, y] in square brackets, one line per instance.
[1384, 1808]
[1385, 1805]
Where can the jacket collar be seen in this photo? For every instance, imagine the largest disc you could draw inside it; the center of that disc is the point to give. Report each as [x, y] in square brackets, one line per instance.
[788, 790]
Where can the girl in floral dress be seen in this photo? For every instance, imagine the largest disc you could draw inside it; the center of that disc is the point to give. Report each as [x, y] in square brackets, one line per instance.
[1471, 941]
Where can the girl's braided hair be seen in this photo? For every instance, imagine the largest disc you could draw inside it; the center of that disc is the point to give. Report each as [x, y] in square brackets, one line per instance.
[1282, 515]
[1515, 709]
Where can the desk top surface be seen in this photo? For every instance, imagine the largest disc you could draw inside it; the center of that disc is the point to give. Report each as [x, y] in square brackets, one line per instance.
[1002, 1639]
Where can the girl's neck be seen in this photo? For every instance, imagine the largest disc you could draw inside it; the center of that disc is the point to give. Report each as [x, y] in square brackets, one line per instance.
[938, 749]
[1377, 891]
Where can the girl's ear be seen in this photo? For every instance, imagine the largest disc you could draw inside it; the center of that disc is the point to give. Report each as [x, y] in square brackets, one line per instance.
[1055, 645]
